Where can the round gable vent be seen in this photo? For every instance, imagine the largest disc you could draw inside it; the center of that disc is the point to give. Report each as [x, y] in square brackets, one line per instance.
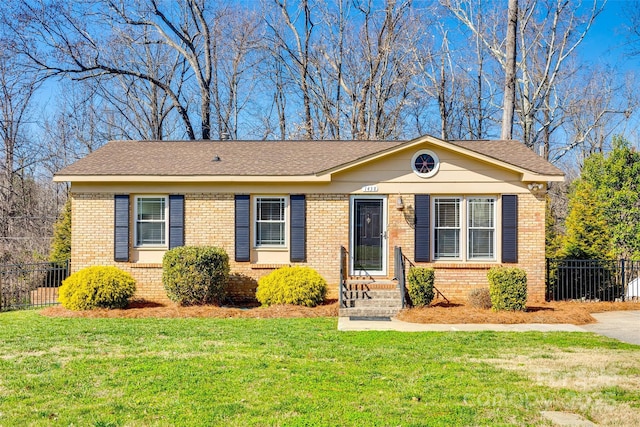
[425, 163]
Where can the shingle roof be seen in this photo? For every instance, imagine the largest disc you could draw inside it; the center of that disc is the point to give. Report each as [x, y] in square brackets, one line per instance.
[266, 158]
[512, 152]
[245, 158]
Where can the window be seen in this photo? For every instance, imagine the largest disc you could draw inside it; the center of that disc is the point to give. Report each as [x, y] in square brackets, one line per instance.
[270, 216]
[451, 215]
[150, 221]
[425, 163]
[481, 222]
[447, 228]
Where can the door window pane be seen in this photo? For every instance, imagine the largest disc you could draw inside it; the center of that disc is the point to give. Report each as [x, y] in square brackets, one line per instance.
[368, 235]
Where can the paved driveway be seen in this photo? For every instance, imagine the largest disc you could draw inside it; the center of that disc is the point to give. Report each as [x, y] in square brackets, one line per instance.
[621, 325]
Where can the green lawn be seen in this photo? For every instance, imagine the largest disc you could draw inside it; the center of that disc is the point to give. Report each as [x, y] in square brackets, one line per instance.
[300, 372]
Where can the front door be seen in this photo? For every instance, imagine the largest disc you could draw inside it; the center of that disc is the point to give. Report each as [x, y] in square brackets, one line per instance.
[368, 236]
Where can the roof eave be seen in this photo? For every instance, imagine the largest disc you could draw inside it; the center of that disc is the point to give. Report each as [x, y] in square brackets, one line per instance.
[190, 178]
[527, 175]
[536, 177]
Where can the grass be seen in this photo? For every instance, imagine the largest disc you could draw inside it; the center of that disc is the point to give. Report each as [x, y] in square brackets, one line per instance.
[293, 372]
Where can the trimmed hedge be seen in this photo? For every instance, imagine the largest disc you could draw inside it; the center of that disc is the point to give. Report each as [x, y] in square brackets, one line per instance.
[194, 275]
[508, 288]
[292, 285]
[420, 286]
[97, 287]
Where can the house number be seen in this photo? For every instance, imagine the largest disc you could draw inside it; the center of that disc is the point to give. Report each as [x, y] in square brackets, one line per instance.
[370, 188]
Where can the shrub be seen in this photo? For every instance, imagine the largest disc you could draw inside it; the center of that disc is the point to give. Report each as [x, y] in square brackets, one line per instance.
[97, 287]
[195, 275]
[480, 298]
[420, 286]
[508, 288]
[292, 285]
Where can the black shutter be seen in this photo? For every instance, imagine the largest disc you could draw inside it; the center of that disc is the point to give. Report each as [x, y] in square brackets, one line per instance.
[422, 230]
[510, 228]
[121, 228]
[176, 220]
[298, 228]
[242, 215]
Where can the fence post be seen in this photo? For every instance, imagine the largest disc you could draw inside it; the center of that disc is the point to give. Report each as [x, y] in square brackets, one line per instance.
[548, 284]
[623, 274]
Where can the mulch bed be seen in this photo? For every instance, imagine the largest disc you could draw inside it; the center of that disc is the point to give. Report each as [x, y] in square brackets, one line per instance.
[577, 313]
[142, 309]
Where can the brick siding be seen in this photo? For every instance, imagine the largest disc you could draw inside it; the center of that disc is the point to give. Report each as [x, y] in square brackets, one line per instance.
[209, 220]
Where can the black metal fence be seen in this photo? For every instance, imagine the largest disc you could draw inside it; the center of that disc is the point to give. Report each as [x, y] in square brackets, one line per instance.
[595, 280]
[31, 285]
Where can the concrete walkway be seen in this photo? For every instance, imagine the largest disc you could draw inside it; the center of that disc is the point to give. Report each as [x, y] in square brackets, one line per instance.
[393, 324]
[621, 325]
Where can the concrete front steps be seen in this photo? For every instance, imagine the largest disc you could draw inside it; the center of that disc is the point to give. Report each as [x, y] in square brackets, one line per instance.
[365, 297]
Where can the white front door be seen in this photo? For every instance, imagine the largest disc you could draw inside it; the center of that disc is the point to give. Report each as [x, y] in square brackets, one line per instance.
[368, 240]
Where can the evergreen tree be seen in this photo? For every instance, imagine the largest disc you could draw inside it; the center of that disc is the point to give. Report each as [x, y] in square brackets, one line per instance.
[61, 243]
[553, 239]
[604, 206]
[587, 229]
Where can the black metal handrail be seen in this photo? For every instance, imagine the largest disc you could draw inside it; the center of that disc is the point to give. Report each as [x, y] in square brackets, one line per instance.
[344, 268]
[401, 264]
[399, 261]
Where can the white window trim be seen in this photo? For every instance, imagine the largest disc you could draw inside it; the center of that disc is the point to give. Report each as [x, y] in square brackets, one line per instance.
[494, 228]
[464, 228]
[254, 219]
[166, 221]
[461, 239]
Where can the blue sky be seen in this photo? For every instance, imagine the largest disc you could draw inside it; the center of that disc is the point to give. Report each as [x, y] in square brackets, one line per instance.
[607, 42]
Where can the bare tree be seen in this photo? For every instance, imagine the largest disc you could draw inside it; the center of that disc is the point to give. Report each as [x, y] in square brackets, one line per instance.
[436, 77]
[25, 210]
[547, 48]
[509, 98]
[548, 33]
[597, 111]
[235, 56]
[17, 90]
[377, 78]
[145, 109]
[290, 31]
[169, 50]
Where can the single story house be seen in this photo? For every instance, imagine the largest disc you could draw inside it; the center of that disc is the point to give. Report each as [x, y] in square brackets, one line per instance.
[460, 207]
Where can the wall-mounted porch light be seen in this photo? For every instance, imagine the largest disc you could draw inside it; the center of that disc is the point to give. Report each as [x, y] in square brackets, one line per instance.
[535, 186]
